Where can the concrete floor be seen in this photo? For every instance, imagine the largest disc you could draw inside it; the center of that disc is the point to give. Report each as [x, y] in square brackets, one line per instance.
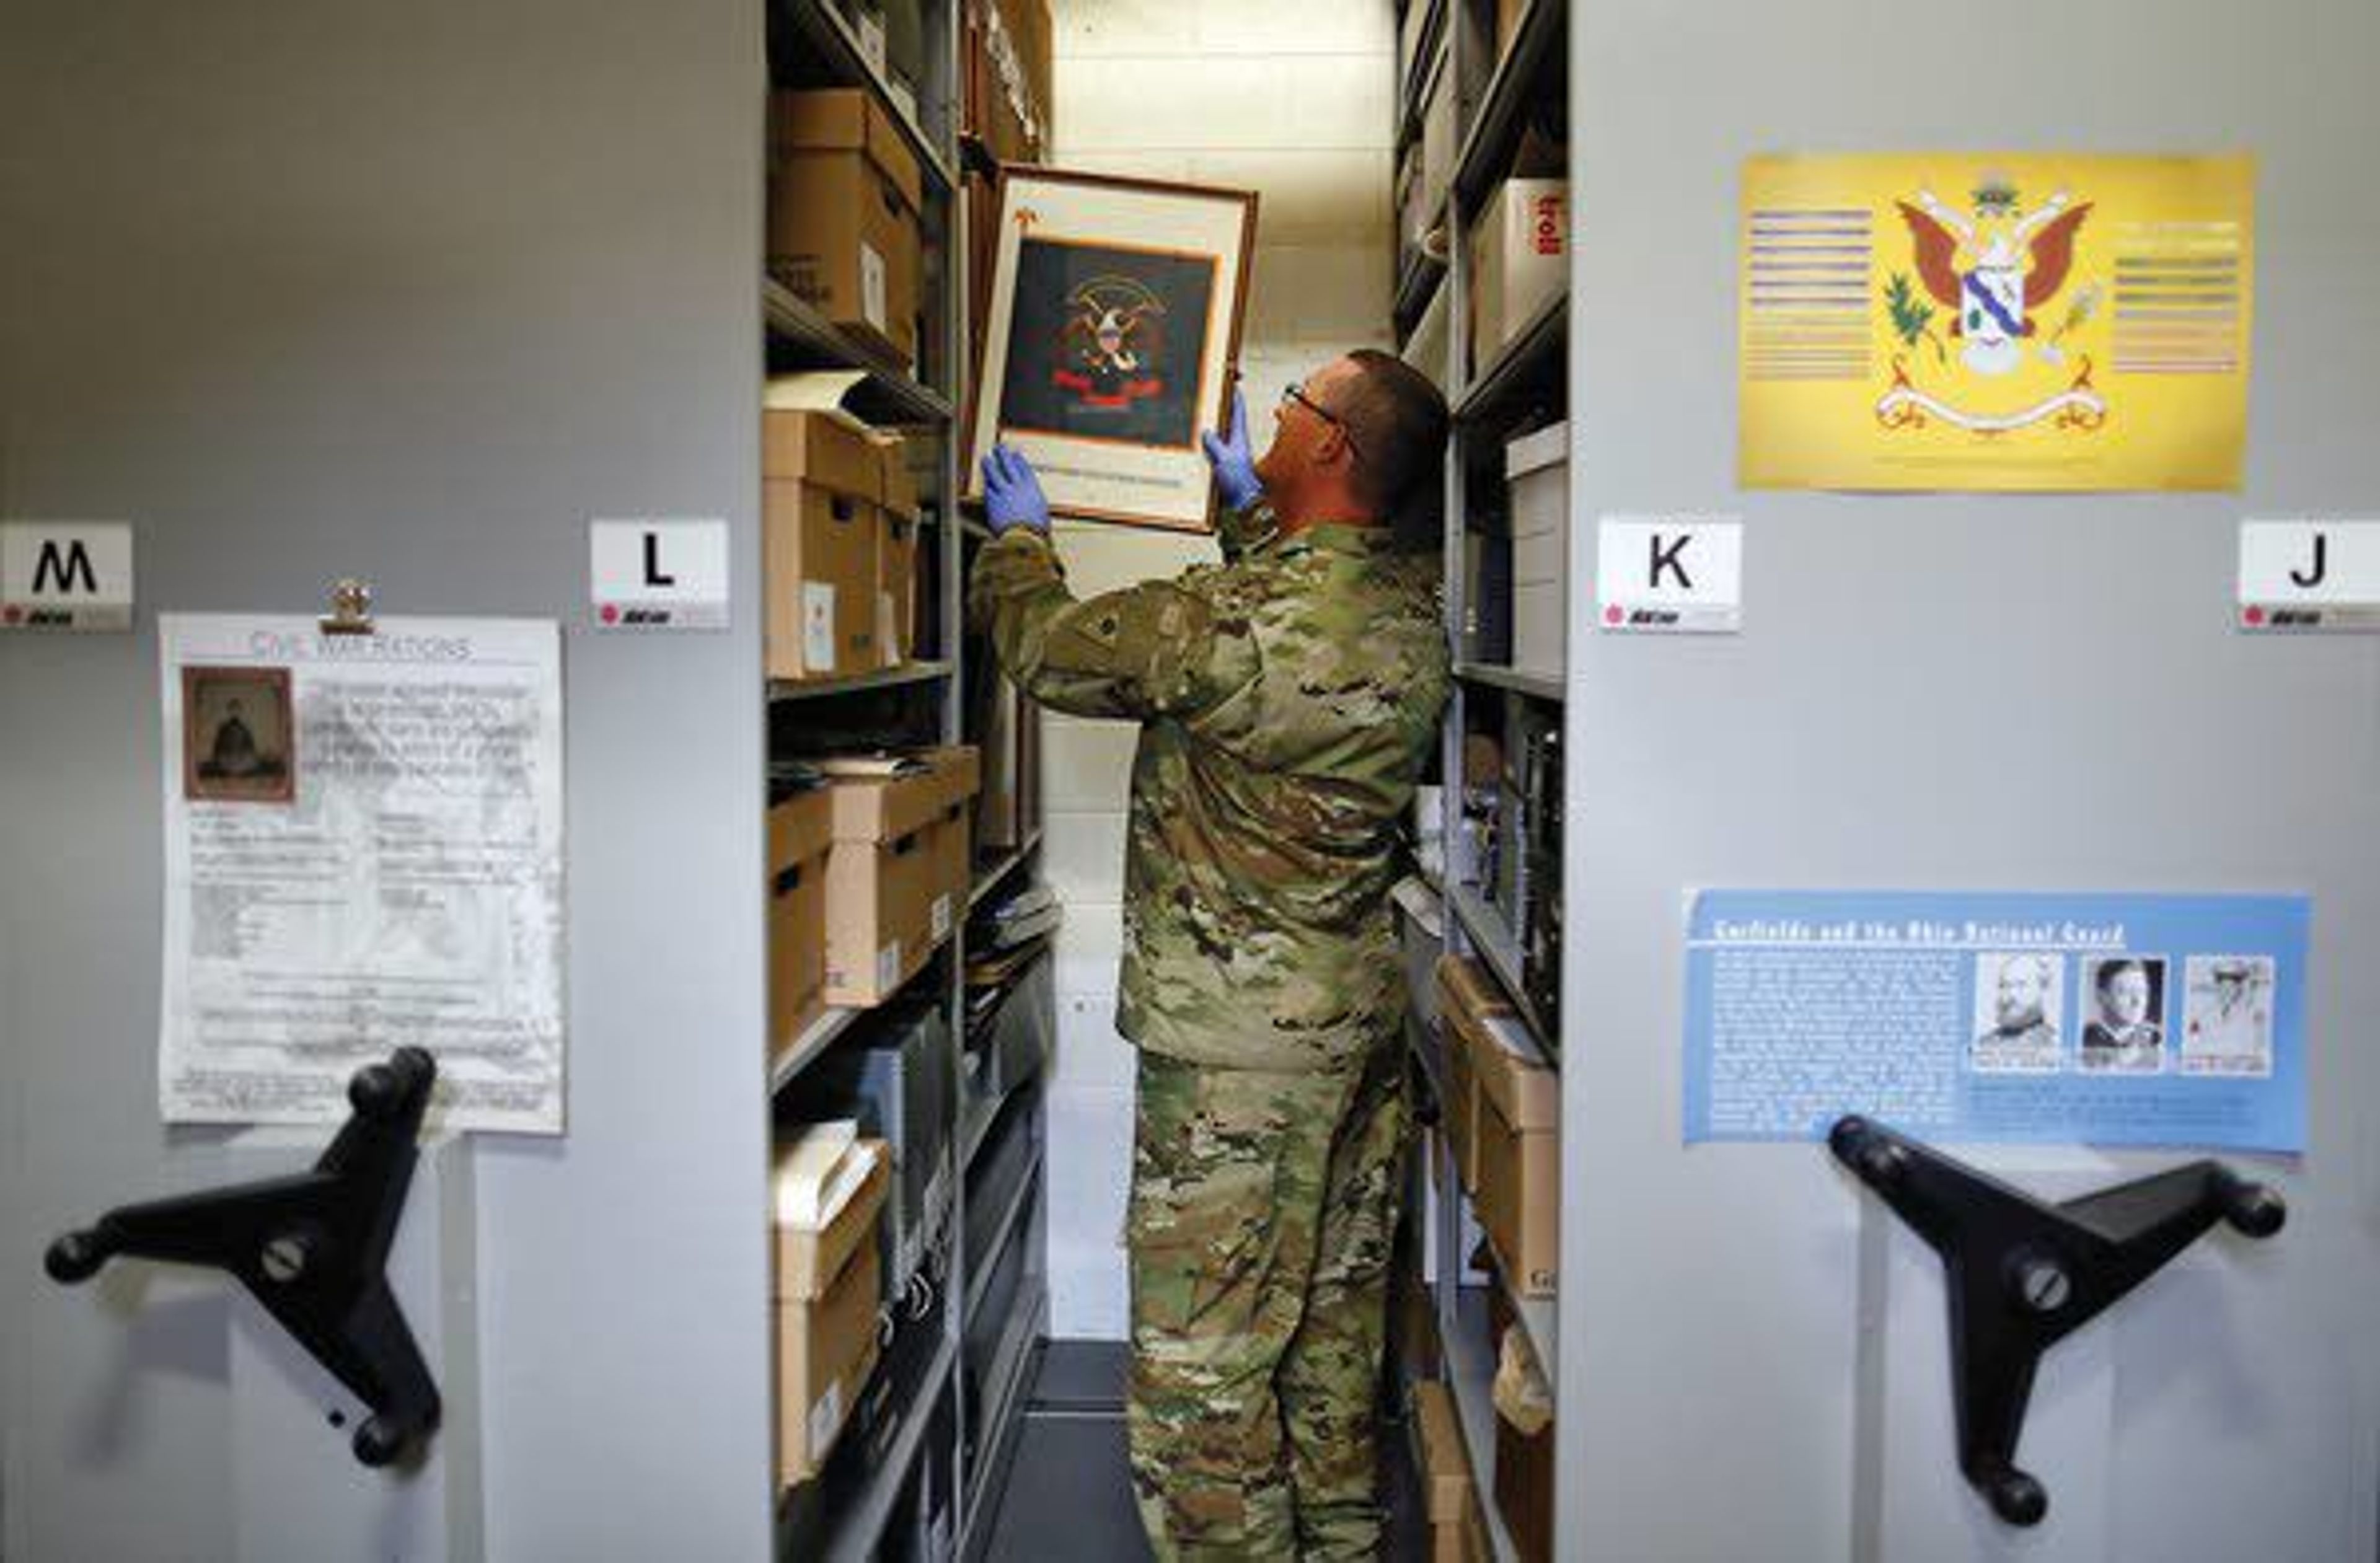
[1068, 1494]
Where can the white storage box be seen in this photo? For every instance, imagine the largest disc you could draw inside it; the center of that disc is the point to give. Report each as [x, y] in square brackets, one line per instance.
[1520, 259]
[1536, 477]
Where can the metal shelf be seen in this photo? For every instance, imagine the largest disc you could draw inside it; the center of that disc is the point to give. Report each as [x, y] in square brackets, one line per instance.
[1537, 685]
[801, 338]
[1532, 359]
[832, 44]
[1009, 1366]
[856, 1538]
[1427, 49]
[1497, 127]
[979, 1274]
[1418, 285]
[815, 1038]
[1494, 941]
[988, 878]
[1471, 1377]
[883, 678]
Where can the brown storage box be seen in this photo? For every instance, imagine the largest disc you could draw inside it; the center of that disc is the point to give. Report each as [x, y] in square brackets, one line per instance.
[822, 483]
[841, 510]
[827, 1285]
[1458, 1528]
[897, 875]
[826, 1348]
[1525, 1488]
[1508, 24]
[800, 830]
[845, 192]
[1504, 1115]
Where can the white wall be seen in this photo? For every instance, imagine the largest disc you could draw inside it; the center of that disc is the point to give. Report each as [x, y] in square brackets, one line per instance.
[1296, 102]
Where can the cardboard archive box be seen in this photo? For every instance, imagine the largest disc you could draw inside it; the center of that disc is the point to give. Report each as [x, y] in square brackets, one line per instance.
[844, 193]
[1537, 478]
[1504, 1116]
[1520, 259]
[897, 876]
[1458, 1527]
[841, 515]
[821, 498]
[801, 828]
[827, 1282]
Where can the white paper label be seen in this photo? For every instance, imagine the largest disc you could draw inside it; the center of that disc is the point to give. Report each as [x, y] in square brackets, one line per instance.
[817, 627]
[891, 637]
[2297, 575]
[826, 1419]
[873, 306]
[66, 576]
[943, 915]
[888, 966]
[1669, 575]
[655, 575]
[871, 41]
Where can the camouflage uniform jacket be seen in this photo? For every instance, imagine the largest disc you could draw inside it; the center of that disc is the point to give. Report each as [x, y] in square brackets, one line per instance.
[1288, 698]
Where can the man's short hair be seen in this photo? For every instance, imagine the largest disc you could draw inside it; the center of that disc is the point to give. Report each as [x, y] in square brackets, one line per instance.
[1396, 419]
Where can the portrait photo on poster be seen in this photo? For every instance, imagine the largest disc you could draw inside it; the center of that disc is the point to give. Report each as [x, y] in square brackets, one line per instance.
[2123, 1005]
[2228, 1015]
[1110, 340]
[238, 741]
[2020, 1014]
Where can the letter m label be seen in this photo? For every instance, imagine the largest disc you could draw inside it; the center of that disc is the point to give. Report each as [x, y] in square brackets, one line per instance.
[64, 571]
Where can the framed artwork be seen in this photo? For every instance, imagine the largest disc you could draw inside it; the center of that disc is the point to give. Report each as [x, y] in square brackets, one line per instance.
[1113, 336]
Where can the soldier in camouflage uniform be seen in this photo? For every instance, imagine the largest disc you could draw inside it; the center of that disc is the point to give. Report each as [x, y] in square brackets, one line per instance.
[1288, 699]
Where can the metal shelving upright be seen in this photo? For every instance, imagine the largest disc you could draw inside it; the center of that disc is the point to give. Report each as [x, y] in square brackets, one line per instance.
[811, 43]
[1525, 375]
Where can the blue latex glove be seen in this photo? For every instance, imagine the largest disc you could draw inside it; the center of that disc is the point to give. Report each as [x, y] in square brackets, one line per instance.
[1012, 494]
[1235, 466]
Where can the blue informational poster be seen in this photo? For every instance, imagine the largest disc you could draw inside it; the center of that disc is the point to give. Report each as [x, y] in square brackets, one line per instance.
[2112, 1020]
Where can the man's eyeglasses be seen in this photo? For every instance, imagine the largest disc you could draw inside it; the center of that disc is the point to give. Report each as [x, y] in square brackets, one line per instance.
[1295, 392]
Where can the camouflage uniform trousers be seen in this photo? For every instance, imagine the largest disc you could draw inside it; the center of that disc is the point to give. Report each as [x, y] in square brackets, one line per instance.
[1263, 1205]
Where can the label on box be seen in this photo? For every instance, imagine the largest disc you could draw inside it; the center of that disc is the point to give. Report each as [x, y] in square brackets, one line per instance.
[888, 966]
[656, 574]
[2299, 575]
[1669, 575]
[826, 1419]
[872, 292]
[943, 915]
[817, 627]
[893, 650]
[66, 576]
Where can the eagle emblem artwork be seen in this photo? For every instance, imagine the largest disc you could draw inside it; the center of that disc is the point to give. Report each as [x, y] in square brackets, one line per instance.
[2050, 324]
[1113, 340]
[1992, 272]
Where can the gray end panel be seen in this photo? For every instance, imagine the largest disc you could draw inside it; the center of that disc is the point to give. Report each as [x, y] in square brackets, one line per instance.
[305, 290]
[1955, 692]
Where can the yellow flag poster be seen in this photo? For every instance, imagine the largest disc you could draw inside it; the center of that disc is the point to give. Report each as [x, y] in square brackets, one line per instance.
[2019, 322]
